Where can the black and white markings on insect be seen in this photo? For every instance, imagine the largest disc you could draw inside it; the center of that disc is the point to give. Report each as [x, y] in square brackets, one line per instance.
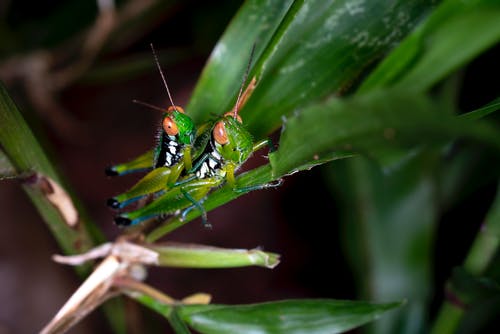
[211, 166]
[170, 151]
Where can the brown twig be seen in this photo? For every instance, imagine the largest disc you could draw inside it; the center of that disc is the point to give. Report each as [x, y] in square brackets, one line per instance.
[44, 78]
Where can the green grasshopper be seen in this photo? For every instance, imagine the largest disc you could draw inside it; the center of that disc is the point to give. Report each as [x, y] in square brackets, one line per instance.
[229, 146]
[170, 158]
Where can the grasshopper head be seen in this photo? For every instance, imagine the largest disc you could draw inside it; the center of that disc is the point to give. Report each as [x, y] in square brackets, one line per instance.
[232, 140]
[177, 123]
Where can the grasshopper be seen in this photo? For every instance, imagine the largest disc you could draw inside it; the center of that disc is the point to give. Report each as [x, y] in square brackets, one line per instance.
[171, 157]
[229, 147]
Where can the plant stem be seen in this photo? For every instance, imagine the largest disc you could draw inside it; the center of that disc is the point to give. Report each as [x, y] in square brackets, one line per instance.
[477, 261]
[448, 318]
[484, 247]
[26, 156]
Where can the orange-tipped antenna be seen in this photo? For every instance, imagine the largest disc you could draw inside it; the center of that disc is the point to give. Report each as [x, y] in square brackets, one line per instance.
[162, 75]
[149, 105]
[236, 106]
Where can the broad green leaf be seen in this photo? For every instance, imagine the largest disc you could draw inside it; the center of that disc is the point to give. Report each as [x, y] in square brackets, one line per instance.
[280, 52]
[365, 124]
[255, 23]
[388, 220]
[287, 317]
[325, 50]
[305, 50]
[455, 33]
[392, 229]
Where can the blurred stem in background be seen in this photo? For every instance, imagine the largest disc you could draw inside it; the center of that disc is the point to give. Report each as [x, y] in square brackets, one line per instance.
[479, 259]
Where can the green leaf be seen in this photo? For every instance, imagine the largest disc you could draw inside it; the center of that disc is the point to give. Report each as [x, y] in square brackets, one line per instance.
[325, 50]
[484, 111]
[153, 303]
[406, 121]
[378, 124]
[367, 123]
[178, 325]
[288, 316]
[255, 23]
[29, 155]
[454, 34]
[388, 220]
[305, 50]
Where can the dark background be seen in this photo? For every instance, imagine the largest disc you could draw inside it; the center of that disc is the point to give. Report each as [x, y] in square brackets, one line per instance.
[299, 220]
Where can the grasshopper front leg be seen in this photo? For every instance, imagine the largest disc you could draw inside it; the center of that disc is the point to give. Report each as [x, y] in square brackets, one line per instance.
[256, 147]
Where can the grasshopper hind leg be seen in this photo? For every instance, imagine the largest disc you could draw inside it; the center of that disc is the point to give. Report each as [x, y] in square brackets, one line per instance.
[155, 182]
[125, 221]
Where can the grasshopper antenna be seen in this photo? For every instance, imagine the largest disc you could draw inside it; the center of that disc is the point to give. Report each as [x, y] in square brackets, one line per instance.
[162, 76]
[235, 112]
[148, 105]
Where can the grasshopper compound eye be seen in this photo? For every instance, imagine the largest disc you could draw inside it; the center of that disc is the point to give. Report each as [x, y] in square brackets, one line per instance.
[220, 134]
[172, 108]
[170, 127]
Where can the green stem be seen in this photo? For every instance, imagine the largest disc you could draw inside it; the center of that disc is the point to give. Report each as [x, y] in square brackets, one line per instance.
[27, 157]
[448, 319]
[482, 250]
[481, 253]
